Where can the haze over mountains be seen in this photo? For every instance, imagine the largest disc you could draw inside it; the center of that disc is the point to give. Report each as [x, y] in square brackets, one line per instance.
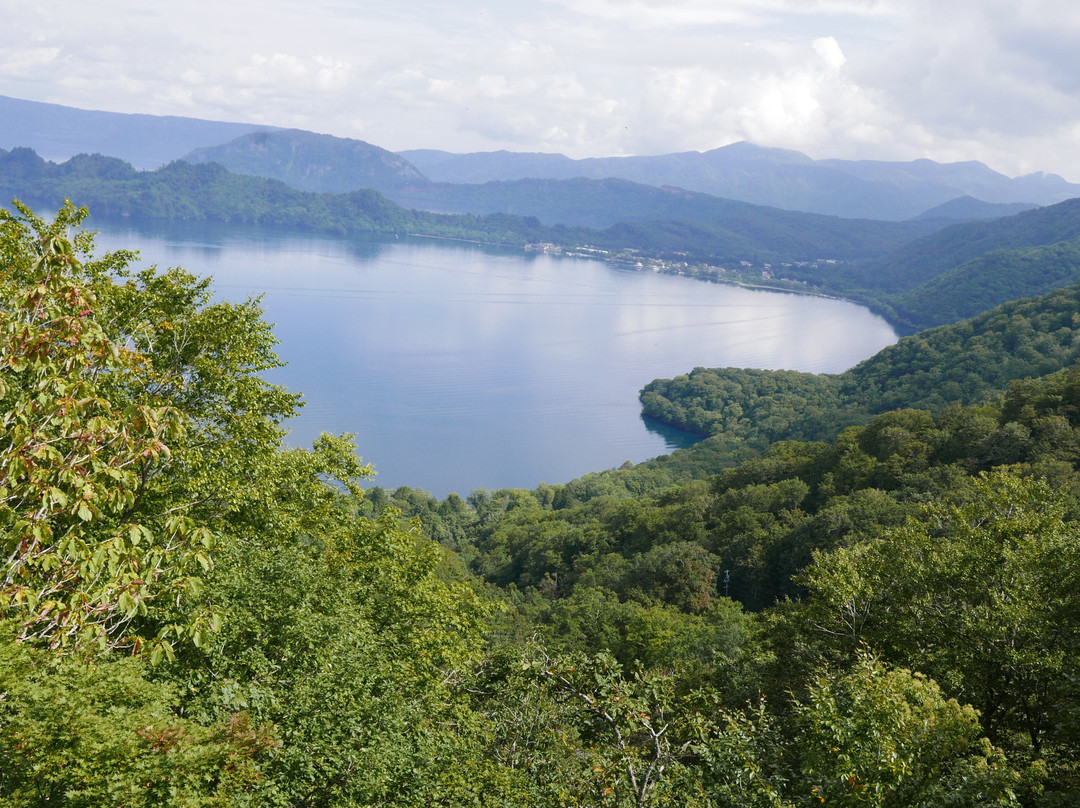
[776, 177]
[527, 184]
[146, 141]
[921, 271]
[506, 182]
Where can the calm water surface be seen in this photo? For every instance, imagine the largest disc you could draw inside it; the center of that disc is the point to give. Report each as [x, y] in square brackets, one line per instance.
[460, 368]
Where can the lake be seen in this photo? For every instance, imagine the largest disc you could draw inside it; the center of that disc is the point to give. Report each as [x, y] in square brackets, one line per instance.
[459, 367]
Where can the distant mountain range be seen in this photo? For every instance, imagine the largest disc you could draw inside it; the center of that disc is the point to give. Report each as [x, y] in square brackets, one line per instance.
[942, 263]
[552, 187]
[970, 209]
[601, 192]
[208, 191]
[919, 273]
[146, 141]
[775, 177]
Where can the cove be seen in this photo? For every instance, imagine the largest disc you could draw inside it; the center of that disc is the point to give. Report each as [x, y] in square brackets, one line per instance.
[459, 367]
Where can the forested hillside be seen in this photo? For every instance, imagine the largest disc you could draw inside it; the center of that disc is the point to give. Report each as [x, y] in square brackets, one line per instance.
[208, 192]
[939, 252]
[311, 162]
[967, 363]
[988, 280]
[193, 614]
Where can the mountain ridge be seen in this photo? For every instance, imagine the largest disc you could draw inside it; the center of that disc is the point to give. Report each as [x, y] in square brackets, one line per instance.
[59, 132]
[742, 171]
[312, 162]
[766, 176]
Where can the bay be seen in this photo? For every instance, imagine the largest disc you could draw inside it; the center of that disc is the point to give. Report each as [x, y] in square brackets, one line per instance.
[459, 367]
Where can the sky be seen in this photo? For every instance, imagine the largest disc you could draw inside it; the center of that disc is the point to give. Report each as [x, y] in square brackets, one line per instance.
[990, 80]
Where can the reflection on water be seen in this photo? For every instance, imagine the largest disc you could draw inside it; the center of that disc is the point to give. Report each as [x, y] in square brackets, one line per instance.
[459, 368]
[674, 438]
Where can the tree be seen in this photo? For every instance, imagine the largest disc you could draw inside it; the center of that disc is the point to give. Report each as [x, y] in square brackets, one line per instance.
[84, 735]
[142, 458]
[867, 737]
[83, 559]
[338, 631]
[630, 739]
[983, 597]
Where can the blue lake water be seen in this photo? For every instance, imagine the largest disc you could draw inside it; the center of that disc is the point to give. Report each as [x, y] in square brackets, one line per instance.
[460, 368]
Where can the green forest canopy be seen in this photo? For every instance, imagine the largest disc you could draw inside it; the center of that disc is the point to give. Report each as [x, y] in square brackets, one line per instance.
[193, 614]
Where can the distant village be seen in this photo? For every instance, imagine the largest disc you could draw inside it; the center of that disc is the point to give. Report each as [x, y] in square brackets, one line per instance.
[747, 273]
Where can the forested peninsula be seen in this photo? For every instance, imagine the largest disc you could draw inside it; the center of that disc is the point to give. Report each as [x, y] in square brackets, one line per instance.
[968, 363]
[880, 611]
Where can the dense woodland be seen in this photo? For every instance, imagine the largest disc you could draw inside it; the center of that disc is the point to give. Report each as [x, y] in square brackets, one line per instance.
[881, 611]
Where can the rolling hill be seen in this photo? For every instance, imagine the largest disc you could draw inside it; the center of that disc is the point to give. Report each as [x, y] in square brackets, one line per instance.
[312, 162]
[741, 171]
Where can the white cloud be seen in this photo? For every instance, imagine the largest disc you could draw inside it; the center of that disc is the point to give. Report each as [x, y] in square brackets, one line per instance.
[27, 62]
[662, 14]
[890, 79]
[829, 51]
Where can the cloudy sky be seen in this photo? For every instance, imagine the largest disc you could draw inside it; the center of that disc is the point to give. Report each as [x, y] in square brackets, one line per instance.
[990, 80]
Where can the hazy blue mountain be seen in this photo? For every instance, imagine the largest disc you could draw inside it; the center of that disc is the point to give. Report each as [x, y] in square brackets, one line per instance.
[323, 163]
[602, 203]
[764, 176]
[773, 177]
[480, 167]
[577, 202]
[777, 177]
[146, 141]
[312, 162]
[970, 178]
[970, 209]
[925, 258]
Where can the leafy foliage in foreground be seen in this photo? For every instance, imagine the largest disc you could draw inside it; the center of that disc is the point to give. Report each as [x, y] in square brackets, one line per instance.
[76, 463]
[90, 734]
[349, 611]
